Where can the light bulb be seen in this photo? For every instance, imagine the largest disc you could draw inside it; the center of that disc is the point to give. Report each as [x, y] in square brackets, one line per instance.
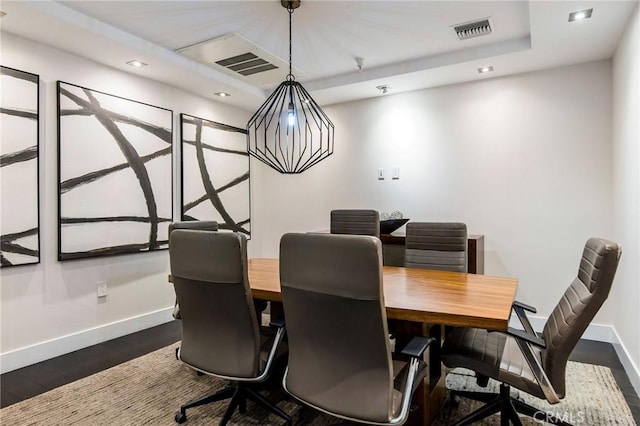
[291, 116]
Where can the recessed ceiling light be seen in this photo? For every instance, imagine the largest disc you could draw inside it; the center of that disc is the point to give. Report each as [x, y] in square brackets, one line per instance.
[222, 94]
[383, 88]
[136, 63]
[580, 15]
[485, 70]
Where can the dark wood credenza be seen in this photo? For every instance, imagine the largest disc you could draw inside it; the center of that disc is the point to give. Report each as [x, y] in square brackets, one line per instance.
[393, 251]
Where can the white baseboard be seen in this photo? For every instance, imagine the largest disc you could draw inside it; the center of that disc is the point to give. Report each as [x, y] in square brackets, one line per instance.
[600, 333]
[28, 355]
[597, 332]
[630, 367]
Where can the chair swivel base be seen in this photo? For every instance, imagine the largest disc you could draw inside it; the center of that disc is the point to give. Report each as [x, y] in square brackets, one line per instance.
[239, 393]
[507, 406]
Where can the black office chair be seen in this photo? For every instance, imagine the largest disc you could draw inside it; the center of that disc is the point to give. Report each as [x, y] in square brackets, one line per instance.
[339, 354]
[355, 222]
[522, 359]
[221, 335]
[436, 245]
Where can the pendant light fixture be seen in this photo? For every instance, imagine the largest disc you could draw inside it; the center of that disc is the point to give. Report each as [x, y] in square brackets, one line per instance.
[290, 132]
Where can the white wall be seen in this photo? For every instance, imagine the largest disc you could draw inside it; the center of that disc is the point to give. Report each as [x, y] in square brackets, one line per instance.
[56, 299]
[626, 190]
[524, 160]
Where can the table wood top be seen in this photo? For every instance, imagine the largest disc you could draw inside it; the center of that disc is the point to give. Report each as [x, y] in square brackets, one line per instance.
[420, 295]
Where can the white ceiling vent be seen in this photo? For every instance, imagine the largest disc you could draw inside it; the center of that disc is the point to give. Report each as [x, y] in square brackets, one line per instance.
[237, 56]
[473, 29]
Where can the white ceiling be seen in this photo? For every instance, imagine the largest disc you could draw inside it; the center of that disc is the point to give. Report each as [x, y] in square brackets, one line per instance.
[407, 45]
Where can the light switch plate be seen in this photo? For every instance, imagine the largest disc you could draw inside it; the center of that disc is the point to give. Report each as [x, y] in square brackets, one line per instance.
[380, 174]
[395, 172]
[102, 289]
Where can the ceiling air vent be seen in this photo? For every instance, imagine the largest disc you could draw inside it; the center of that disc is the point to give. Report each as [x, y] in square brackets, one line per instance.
[473, 29]
[246, 64]
[237, 56]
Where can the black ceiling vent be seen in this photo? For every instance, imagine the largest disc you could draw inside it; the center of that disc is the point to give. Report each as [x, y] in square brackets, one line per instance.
[473, 29]
[246, 64]
[238, 57]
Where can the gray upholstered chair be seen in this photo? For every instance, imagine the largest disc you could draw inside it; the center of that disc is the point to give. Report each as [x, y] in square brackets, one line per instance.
[436, 245]
[212, 226]
[340, 363]
[355, 222]
[202, 225]
[522, 359]
[221, 335]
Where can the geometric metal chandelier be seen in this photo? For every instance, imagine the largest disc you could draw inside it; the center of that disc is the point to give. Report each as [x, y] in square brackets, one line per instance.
[290, 132]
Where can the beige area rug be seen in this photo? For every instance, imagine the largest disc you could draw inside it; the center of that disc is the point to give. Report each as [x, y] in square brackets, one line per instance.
[149, 390]
[592, 398]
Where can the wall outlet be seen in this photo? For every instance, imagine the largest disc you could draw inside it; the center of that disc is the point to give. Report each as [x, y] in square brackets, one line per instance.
[380, 174]
[102, 289]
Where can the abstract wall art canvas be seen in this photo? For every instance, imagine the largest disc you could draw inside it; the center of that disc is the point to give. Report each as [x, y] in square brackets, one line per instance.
[215, 174]
[115, 166]
[19, 157]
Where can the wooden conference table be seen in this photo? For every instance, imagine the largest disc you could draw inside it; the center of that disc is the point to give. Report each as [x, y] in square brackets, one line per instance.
[419, 302]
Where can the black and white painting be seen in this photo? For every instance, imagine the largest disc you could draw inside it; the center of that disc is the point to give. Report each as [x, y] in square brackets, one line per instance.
[115, 184]
[19, 214]
[215, 174]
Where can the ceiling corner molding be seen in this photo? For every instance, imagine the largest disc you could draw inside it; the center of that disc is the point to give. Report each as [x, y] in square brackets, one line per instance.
[423, 64]
[113, 34]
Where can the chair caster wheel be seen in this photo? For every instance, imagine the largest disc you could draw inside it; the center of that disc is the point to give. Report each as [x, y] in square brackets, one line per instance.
[177, 349]
[180, 417]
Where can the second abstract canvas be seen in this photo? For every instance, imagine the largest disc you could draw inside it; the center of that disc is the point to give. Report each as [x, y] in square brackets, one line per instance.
[215, 174]
[114, 174]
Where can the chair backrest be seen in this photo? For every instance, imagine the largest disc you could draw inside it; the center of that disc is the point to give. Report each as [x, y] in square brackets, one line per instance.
[436, 245]
[339, 353]
[579, 304]
[220, 331]
[355, 222]
[202, 225]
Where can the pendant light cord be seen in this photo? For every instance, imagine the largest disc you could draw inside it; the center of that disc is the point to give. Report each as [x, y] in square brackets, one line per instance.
[290, 9]
[290, 16]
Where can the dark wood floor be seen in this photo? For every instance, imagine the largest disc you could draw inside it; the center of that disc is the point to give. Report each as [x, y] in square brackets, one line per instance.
[35, 379]
[30, 381]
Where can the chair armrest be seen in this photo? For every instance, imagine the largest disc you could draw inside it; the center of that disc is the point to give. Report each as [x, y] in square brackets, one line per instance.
[538, 372]
[520, 334]
[524, 306]
[277, 323]
[415, 349]
[417, 346]
[519, 308]
[280, 332]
